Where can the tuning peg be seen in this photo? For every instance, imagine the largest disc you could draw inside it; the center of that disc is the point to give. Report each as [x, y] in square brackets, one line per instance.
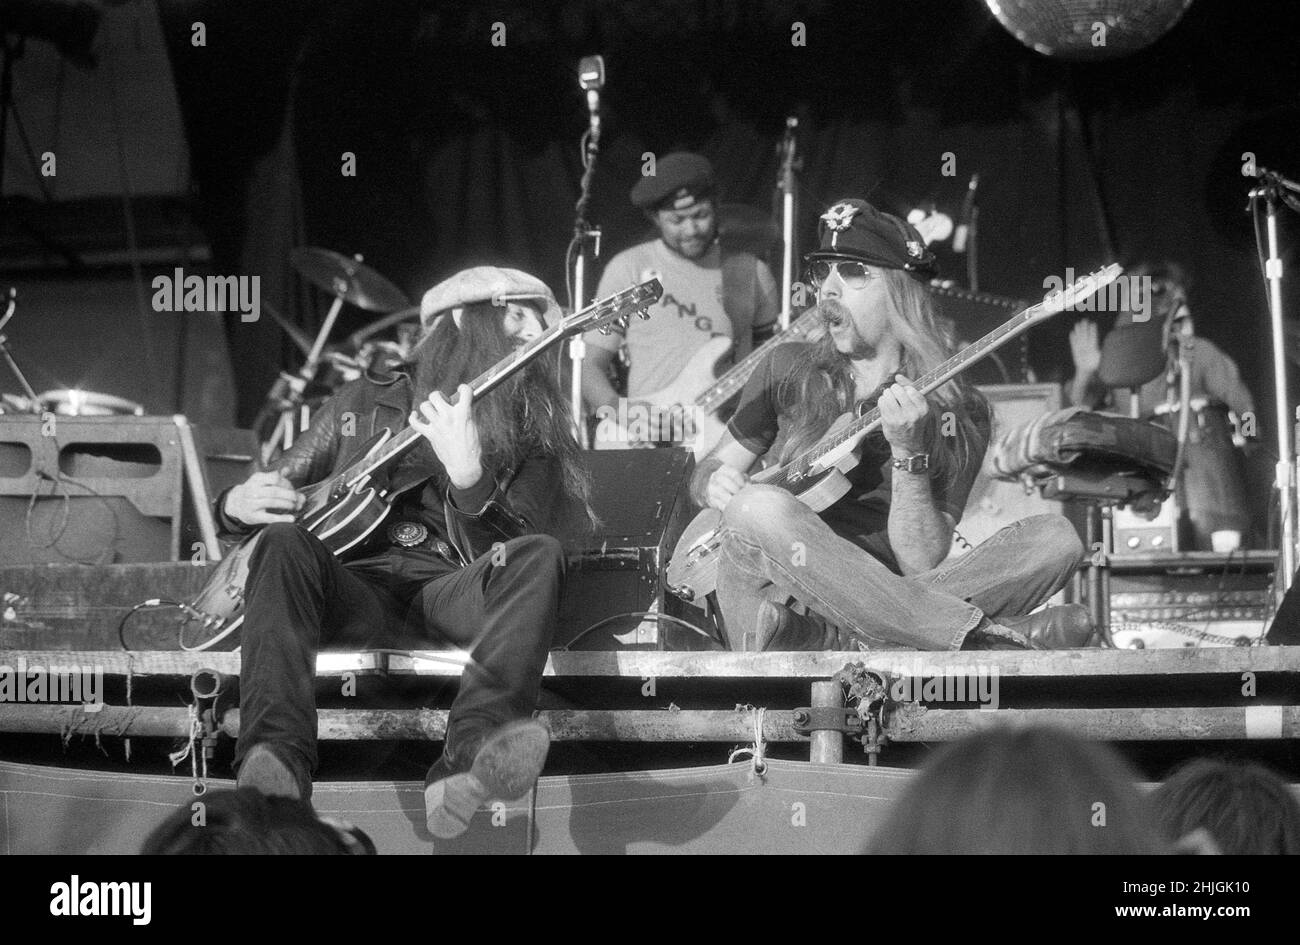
[643, 313]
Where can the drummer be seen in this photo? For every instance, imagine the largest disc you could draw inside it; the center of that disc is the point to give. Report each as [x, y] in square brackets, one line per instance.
[1214, 484]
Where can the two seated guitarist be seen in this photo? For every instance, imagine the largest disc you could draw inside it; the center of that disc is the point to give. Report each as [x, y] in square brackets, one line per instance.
[870, 571]
[464, 556]
[716, 304]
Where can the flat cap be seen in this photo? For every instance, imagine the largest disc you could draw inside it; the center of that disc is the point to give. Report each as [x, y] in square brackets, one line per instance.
[486, 284]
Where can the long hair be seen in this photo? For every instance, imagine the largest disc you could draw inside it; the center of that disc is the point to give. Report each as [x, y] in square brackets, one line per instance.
[526, 414]
[1246, 808]
[1038, 789]
[820, 387]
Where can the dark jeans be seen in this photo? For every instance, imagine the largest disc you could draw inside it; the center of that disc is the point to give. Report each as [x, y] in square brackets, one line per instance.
[501, 608]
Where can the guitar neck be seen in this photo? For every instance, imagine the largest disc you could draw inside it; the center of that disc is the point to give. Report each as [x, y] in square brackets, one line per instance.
[930, 381]
[725, 387]
[481, 385]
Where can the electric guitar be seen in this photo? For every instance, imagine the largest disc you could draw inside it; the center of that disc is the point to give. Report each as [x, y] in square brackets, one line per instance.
[696, 394]
[817, 475]
[345, 509]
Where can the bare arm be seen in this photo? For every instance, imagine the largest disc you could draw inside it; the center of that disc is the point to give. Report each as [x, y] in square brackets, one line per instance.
[919, 533]
[722, 473]
[596, 388]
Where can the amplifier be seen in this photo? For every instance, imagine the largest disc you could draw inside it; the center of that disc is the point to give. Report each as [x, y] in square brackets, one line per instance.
[641, 498]
[995, 503]
[1200, 603]
[106, 490]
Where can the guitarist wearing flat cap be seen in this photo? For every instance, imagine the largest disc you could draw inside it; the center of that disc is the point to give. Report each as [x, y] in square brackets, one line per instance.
[463, 557]
[869, 571]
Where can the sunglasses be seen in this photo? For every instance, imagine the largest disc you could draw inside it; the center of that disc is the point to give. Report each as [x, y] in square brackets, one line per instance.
[853, 274]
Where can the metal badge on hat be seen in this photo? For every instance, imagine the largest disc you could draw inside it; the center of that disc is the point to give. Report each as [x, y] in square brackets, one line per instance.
[914, 248]
[838, 219]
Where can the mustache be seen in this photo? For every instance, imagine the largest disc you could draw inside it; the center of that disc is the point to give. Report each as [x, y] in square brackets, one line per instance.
[833, 311]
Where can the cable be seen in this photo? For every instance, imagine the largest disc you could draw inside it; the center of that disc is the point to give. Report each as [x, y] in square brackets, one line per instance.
[643, 615]
[67, 500]
[152, 602]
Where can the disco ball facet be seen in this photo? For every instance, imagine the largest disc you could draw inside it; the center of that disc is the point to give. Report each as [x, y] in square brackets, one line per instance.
[1088, 29]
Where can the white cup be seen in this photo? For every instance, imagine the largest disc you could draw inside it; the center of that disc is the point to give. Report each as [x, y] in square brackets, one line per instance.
[1225, 541]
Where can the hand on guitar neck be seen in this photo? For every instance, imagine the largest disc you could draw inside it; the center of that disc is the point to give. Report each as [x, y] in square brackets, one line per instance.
[450, 430]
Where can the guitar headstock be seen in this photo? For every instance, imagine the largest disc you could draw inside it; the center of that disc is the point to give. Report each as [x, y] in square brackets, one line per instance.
[1058, 300]
[615, 310]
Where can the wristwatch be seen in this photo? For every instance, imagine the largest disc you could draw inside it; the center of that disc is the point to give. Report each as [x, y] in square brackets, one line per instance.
[917, 462]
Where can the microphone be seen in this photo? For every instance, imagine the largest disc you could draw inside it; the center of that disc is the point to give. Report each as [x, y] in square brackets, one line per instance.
[967, 209]
[591, 78]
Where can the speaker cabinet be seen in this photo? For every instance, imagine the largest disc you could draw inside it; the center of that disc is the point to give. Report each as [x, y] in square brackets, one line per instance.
[996, 503]
[641, 498]
[105, 490]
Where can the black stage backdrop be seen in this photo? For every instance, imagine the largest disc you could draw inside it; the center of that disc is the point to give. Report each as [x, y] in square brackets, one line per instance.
[468, 152]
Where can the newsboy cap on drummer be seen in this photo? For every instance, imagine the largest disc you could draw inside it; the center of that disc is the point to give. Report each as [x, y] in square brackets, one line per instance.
[854, 229]
[679, 180]
[485, 284]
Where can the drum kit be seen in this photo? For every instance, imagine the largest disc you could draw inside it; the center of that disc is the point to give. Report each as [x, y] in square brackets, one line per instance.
[379, 346]
[66, 403]
[325, 368]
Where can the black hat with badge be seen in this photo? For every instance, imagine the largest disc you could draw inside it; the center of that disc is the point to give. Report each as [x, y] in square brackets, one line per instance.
[679, 180]
[854, 229]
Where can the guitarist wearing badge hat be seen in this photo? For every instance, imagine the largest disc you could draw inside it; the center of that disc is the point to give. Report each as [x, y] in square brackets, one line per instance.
[465, 556]
[870, 569]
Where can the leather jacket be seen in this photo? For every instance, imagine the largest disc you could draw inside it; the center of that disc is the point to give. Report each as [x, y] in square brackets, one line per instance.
[499, 507]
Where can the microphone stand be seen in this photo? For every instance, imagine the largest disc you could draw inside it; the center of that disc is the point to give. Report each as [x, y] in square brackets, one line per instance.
[1271, 189]
[786, 184]
[583, 233]
[33, 401]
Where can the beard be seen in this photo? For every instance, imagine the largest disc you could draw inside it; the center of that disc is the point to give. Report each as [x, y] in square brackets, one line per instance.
[843, 331]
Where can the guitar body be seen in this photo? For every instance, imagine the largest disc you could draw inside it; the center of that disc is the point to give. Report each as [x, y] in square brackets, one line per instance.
[675, 405]
[695, 377]
[693, 569]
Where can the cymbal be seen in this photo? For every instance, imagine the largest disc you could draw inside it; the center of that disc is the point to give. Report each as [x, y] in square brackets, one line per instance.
[348, 278]
[410, 313]
[300, 337]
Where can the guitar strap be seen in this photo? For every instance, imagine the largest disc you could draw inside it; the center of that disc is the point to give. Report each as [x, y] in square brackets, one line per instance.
[739, 295]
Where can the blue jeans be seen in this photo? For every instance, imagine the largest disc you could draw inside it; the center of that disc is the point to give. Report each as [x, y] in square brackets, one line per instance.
[774, 547]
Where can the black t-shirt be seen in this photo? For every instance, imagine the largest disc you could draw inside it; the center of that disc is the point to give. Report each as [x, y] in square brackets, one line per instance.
[761, 424]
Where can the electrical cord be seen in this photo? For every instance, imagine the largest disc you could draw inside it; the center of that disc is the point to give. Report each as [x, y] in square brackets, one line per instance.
[639, 614]
[151, 602]
[60, 477]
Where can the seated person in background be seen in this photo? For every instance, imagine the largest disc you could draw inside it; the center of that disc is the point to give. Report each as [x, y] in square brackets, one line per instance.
[1245, 808]
[1021, 790]
[1214, 485]
[709, 293]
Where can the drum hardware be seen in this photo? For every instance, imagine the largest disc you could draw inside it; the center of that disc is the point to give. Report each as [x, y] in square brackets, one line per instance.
[348, 279]
[31, 403]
